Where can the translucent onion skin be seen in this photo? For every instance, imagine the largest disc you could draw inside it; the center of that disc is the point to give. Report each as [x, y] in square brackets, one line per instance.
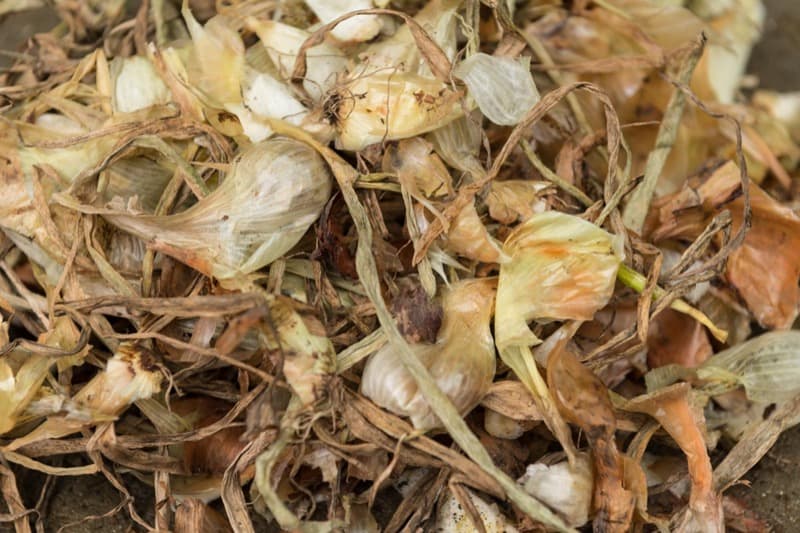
[462, 361]
[768, 366]
[562, 267]
[502, 87]
[275, 190]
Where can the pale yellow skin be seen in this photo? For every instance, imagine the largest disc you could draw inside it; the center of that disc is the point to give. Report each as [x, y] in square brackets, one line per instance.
[462, 361]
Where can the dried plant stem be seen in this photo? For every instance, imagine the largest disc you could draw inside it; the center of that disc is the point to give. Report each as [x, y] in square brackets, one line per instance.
[639, 203]
[586, 129]
[550, 67]
[283, 515]
[522, 362]
[637, 282]
[755, 443]
[440, 404]
[553, 177]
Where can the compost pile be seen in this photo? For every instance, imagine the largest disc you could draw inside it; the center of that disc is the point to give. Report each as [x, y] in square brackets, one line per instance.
[397, 265]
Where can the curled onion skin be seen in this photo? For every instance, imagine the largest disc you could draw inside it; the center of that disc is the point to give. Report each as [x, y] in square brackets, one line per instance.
[275, 190]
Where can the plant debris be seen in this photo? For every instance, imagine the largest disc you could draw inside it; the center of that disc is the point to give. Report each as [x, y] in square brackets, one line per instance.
[496, 262]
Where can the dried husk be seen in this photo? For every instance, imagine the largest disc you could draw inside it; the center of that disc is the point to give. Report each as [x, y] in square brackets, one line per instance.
[462, 361]
[511, 399]
[452, 518]
[326, 63]
[418, 168]
[130, 375]
[772, 240]
[564, 265]
[738, 26]
[565, 487]
[672, 408]
[468, 237]
[513, 200]
[503, 427]
[150, 135]
[783, 107]
[255, 216]
[216, 63]
[400, 51]
[309, 358]
[675, 338]
[767, 366]
[358, 29]
[217, 72]
[22, 373]
[584, 401]
[459, 143]
[772, 243]
[502, 87]
[136, 85]
[377, 106]
[192, 515]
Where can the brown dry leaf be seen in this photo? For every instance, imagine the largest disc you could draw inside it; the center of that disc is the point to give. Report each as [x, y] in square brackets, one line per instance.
[583, 400]
[675, 338]
[192, 516]
[671, 407]
[773, 239]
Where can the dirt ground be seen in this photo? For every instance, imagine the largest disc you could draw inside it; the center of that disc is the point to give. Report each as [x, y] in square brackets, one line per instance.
[772, 489]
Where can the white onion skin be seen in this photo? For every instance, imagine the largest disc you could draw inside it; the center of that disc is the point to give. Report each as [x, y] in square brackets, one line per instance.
[462, 361]
[273, 193]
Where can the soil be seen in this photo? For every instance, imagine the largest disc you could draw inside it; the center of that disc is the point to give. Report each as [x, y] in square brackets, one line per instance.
[772, 488]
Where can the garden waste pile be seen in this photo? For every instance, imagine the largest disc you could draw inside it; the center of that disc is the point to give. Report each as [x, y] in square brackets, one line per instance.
[490, 265]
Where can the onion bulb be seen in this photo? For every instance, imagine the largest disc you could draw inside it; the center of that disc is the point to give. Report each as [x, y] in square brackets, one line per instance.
[462, 361]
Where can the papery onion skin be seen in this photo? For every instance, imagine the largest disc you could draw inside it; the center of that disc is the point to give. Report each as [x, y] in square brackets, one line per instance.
[452, 518]
[767, 366]
[502, 87]
[462, 361]
[275, 190]
[390, 106]
[560, 267]
[137, 85]
[282, 42]
[356, 29]
[565, 488]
